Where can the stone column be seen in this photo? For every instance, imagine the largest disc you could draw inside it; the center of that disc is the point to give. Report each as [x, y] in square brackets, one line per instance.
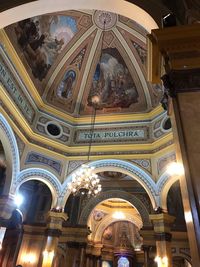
[162, 228]
[98, 261]
[82, 255]
[7, 206]
[146, 255]
[179, 49]
[53, 232]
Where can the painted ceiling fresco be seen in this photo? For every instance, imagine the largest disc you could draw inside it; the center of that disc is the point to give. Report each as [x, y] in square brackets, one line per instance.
[74, 56]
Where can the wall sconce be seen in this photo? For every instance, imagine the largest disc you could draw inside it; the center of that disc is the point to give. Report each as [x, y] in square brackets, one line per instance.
[162, 262]
[29, 258]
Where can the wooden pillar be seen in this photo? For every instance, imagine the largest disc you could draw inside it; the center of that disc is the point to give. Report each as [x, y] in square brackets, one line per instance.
[179, 49]
[162, 228]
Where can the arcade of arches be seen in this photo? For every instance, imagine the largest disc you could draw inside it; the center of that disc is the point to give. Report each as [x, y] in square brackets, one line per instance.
[55, 57]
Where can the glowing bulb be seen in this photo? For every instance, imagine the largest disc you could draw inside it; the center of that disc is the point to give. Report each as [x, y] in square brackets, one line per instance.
[19, 200]
[118, 215]
[175, 168]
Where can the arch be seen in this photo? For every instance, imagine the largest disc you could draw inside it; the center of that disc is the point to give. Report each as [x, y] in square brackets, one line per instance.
[97, 235]
[36, 8]
[120, 166]
[9, 144]
[92, 203]
[42, 175]
[163, 185]
[182, 254]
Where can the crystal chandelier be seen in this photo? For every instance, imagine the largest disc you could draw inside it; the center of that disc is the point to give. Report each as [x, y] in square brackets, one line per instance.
[85, 181]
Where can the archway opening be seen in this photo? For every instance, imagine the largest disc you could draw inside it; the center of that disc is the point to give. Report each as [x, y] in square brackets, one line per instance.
[181, 262]
[115, 224]
[37, 200]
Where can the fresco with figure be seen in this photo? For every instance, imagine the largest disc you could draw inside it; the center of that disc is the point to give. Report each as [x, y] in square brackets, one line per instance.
[42, 39]
[67, 84]
[112, 82]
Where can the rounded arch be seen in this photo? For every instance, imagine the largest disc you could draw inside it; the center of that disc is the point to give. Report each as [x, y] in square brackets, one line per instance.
[163, 185]
[36, 8]
[92, 203]
[182, 254]
[44, 176]
[119, 166]
[97, 236]
[10, 147]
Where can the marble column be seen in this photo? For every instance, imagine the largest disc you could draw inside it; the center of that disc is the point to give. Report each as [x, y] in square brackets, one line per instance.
[53, 232]
[179, 49]
[162, 227]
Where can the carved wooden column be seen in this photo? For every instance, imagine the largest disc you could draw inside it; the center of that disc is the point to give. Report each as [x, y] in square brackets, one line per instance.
[162, 228]
[179, 49]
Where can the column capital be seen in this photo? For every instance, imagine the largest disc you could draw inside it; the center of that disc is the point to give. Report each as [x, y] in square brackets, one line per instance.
[55, 219]
[162, 222]
[7, 206]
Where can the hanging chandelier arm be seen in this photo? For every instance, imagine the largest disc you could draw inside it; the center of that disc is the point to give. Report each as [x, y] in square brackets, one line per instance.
[91, 132]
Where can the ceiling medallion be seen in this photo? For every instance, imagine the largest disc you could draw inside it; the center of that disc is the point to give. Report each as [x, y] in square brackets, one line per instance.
[103, 17]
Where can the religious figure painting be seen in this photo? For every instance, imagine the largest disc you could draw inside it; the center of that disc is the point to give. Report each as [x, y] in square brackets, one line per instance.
[67, 84]
[42, 39]
[112, 82]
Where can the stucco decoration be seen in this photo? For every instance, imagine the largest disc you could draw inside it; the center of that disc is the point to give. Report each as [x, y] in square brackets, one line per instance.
[104, 20]
[120, 166]
[42, 175]
[93, 202]
[11, 152]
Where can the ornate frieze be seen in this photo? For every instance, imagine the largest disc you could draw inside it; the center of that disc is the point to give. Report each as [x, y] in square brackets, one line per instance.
[36, 158]
[53, 129]
[112, 135]
[13, 85]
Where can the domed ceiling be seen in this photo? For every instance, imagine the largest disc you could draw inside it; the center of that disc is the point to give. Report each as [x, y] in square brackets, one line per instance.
[73, 56]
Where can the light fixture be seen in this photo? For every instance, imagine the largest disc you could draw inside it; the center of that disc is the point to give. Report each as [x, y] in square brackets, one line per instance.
[18, 200]
[161, 262]
[119, 215]
[48, 254]
[85, 180]
[29, 258]
[175, 168]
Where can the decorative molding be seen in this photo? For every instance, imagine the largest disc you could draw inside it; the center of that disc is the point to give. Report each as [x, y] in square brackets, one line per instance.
[11, 141]
[144, 163]
[104, 20]
[113, 135]
[165, 160]
[36, 158]
[121, 166]
[13, 84]
[42, 175]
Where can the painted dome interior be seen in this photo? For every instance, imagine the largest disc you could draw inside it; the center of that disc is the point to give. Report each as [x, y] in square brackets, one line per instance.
[73, 56]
